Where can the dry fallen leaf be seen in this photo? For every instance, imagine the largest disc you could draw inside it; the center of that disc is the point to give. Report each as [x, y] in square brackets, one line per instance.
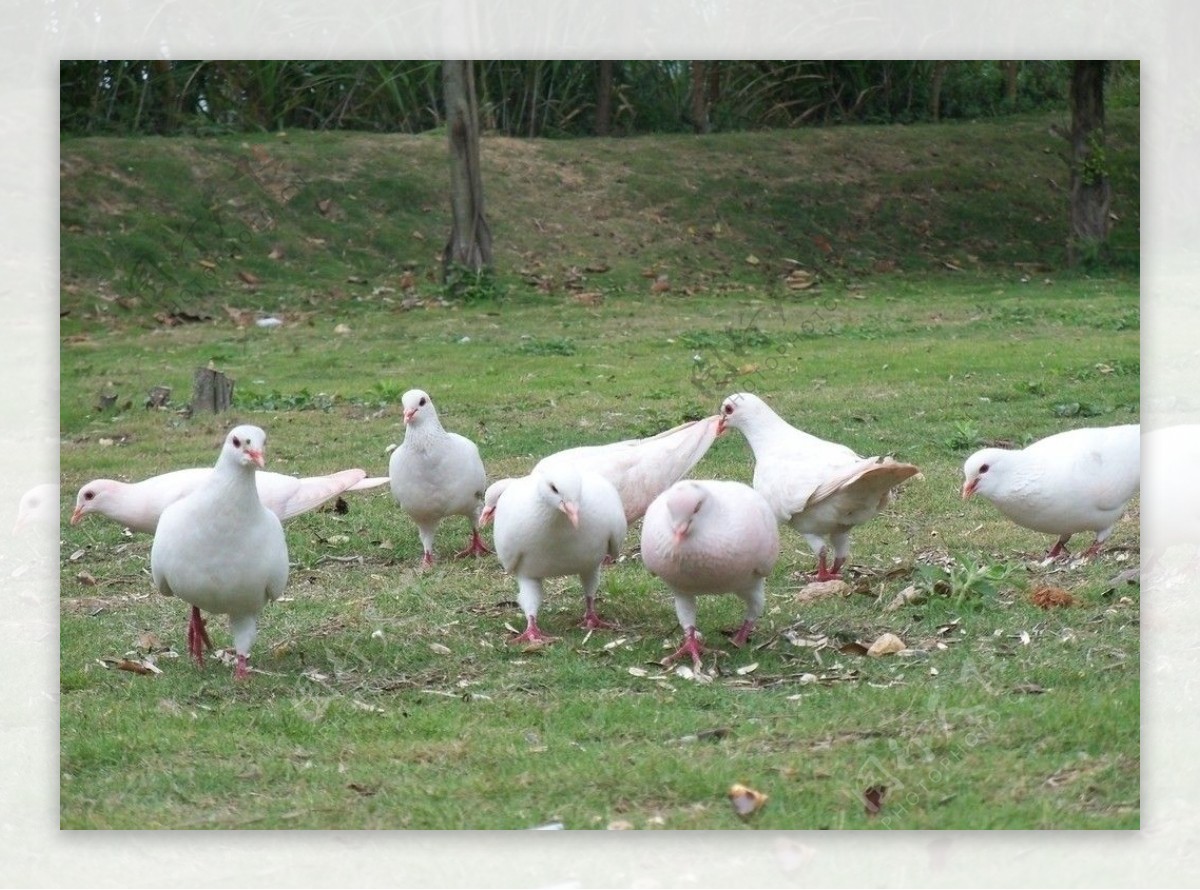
[886, 645]
[746, 801]
[1052, 598]
[818, 590]
[439, 649]
[127, 664]
[873, 799]
[148, 641]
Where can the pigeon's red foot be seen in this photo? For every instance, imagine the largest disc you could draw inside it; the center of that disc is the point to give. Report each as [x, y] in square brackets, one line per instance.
[1059, 550]
[742, 635]
[242, 671]
[532, 634]
[592, 621]
[1092, 551]
[427, 560]
[691, 646]
[475, 548]
[825, 573]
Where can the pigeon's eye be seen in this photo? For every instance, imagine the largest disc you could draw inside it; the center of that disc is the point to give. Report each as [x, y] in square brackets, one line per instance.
[728, 409]
[983, 469]
[554, 488]
[422, 401]
[237, 443]
[88, 495]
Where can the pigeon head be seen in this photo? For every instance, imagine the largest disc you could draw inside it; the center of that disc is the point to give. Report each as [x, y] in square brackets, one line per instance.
[491, 498]
[684, 501]
[417, 406]
[92, 497]
[739, 410]
[245, 445]
[560, 487]
[981, 471]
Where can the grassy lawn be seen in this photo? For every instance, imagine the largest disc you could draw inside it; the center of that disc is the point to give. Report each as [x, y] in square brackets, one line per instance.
[387, 697]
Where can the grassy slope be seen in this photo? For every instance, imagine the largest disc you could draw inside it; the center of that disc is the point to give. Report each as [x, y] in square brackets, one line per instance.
[357, 722]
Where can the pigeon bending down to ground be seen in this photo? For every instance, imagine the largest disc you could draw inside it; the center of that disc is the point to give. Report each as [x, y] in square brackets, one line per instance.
[436, 474]
[642, 469]
[1075, 481]
[221, 550]
[820, 488]
[552, 523]
[710, 537]
[138, 505]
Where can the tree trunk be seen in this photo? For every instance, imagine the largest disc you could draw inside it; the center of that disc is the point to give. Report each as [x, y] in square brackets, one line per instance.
[470, 242]
[700, 122]
[1010, 70]
[1091, 193]
[935, 89]
[604, 98]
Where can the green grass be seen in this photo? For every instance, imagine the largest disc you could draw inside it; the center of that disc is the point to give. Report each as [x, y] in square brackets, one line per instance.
[357, 720]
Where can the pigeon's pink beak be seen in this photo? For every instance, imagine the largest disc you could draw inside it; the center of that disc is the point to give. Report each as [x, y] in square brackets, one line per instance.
[256, 456]
[409, 414]
[969, 486]
[572, 511]
[77, 514]
[486, 516]
[721, 424]
[680, 531]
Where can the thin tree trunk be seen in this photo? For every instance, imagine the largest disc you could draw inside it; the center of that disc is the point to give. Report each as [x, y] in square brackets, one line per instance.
[1010, 70]
[604, 98]
[1091, 192]
[470, 242]
[935, 89]
[168, 101]
[700, 122]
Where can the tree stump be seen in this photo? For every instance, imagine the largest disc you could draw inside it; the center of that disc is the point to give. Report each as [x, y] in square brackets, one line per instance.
[159, 397]
[212, 391]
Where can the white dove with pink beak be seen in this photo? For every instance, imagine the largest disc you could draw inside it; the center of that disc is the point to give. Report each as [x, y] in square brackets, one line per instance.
[436, 474]
[221, 550]
[553, 523]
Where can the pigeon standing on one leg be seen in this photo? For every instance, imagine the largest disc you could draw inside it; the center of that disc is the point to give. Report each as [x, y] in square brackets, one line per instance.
[436, 474]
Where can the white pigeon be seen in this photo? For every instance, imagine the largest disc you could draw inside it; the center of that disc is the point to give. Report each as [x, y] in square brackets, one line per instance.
[553, 523]
[138, 505]
[221, 550]
[491, 498]
[642, 469]
[1074, 481]
[436, 474]
[820, 488]
[711, 537]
